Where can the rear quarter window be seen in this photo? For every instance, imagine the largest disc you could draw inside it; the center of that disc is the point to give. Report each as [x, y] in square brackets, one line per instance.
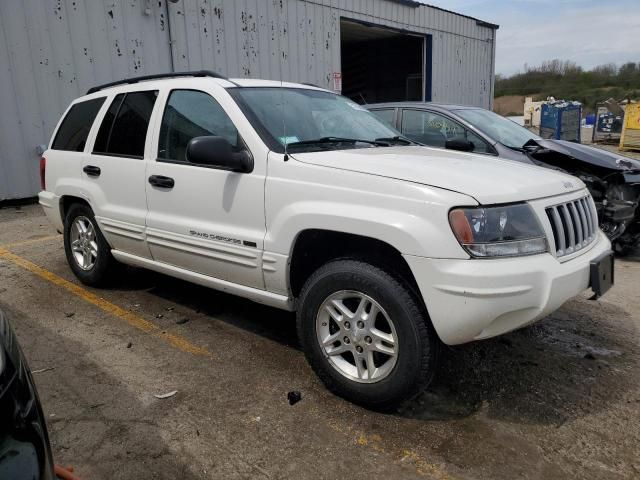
[74, 129]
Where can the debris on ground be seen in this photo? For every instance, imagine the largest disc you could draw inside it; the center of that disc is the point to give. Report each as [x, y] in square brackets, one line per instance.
[162, 396]
[129, 345]
[64, 473]
[603, 352]
[294, 397]
[42, 370]
[170, 309]
[69, 314]
[182, 321]
[159, 315]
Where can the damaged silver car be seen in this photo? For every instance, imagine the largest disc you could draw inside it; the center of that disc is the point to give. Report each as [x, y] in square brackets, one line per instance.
[613, 180]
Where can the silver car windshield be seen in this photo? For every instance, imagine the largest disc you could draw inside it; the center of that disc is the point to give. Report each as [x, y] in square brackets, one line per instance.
[497, 127]
[299, 116]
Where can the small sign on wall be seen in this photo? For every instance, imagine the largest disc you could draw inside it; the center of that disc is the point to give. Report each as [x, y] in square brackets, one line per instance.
[337, 82]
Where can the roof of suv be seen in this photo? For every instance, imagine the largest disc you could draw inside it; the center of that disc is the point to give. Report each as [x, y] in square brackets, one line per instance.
[206, 75]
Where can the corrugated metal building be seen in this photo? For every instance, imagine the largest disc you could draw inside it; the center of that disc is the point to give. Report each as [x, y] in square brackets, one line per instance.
[52, 51]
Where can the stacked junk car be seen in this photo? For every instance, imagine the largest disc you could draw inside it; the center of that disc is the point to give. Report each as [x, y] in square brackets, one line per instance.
[613, 180]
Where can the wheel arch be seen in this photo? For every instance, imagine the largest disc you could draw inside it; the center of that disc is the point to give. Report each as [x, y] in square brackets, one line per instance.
[66, 201]
[315, 247]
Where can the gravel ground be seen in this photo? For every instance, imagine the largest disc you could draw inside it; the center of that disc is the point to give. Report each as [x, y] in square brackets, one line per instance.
[560, 399]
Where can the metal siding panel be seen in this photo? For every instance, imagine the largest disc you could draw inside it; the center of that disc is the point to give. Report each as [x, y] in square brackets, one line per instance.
[277, 41]
[264, 65]
[205, 27]
[335, 47]
[303, 43]
[287, 44]
[320, 53]
[19, 158]
[73, 45]
[192, 28]
[51, 53]
[14, 183]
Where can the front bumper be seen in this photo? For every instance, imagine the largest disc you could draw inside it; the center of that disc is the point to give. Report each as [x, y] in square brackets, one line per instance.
[476, 299]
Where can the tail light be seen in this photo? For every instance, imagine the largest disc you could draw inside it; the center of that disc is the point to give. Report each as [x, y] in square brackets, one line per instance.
[43, 169]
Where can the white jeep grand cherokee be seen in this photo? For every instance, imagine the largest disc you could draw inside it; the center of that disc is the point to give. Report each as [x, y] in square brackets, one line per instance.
[298, 198]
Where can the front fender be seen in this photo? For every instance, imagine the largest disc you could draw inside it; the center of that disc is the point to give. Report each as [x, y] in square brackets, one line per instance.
[407, 231]
[411, 217]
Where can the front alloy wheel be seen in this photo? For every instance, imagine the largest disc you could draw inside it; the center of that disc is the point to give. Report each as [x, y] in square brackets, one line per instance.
[366, 334]
[357, 336]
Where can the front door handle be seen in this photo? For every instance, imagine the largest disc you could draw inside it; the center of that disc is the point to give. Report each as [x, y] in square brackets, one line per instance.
[161, 181]
[92, 171]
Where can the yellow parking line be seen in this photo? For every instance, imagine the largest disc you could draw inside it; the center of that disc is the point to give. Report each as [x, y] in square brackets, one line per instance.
[132, 319]
[28, 242]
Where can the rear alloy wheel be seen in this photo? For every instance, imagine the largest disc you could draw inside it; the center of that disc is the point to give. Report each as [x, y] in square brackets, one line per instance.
[84, 245]
[87, 251]
[366, 335]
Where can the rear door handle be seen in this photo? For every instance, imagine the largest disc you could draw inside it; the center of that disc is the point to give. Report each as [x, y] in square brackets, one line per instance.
[92, 171]
[161, 181]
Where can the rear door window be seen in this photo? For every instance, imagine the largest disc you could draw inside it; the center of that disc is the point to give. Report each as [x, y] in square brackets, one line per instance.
[102, 139]
[124, 128]
[74, 129]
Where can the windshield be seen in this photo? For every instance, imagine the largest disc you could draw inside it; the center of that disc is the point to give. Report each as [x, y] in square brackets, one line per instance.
[497, 127]
[298, 116]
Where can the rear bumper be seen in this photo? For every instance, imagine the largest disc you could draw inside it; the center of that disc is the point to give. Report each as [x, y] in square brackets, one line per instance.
[51, 205]
[476, 299]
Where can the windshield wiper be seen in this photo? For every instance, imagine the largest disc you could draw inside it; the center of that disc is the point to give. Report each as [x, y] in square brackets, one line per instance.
[397, 139]
[319, 141]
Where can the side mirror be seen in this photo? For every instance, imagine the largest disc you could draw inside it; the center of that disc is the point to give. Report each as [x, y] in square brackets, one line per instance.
[217, 152]
[459, 143]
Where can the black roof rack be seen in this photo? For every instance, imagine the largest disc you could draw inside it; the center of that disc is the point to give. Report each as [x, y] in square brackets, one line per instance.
[198, 73]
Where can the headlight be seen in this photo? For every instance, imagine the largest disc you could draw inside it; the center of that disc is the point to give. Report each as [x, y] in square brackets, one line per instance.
[503, 231]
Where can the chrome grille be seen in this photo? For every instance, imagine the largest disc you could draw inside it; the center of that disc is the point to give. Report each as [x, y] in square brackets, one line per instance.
[574, 225]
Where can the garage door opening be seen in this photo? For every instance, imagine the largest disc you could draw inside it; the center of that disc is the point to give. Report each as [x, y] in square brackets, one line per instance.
[383, 65]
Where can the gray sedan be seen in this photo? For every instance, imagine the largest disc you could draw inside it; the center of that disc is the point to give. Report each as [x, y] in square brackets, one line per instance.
[613, 180]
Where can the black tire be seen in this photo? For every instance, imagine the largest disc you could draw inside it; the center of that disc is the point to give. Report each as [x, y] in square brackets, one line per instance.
[100, 273]
[418, 345]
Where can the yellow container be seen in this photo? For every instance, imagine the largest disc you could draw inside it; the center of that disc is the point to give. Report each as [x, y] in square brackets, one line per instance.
[630, 138]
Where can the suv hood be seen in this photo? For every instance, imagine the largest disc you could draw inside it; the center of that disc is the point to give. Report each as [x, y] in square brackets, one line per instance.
[487, 179]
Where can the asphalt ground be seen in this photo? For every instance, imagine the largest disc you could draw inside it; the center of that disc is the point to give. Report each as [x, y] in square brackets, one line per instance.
[560, 399]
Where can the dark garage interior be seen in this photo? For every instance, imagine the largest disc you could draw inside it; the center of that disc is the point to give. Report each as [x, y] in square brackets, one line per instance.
[381, 64]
